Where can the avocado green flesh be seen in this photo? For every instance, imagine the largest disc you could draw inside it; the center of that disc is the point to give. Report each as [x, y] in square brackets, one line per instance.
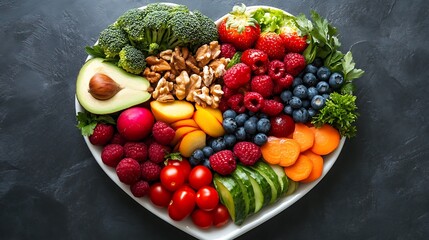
[133, 88]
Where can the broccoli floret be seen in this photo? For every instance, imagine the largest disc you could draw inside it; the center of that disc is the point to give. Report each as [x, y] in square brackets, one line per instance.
[132, 60]
[185, 29]
[132, 23]
[156, 28]
[156, 7]
[208, 31]
[112, 40]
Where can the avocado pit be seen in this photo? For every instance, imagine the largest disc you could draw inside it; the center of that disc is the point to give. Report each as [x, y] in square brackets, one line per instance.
[102, 87]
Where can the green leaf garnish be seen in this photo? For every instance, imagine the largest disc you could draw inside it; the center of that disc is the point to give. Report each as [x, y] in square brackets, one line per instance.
[234, 60]
[86, 122]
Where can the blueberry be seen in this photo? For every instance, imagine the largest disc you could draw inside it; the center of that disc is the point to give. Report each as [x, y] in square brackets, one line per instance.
[311, 92]
[262, 115]
[322, 87]
[296, 81]
[310, 68]
[193, 161]
[326, 96]
[260, 139]
[263, 125]
[218, 144]
[229, 114]
[285, 96]
[240, 119]
[240, 134]
[250, 125]
[250, 113]
[208, 151]
[198, 154]
[336, 80]
[309, 79]
[318, 102]
[311, 112]
[230, 140]
[318, 62]
[305, 103]
[288, 110]
[295, 102]
[300, 115]
[300, 91]
[323, 74]
[206, 163]
[229, 125]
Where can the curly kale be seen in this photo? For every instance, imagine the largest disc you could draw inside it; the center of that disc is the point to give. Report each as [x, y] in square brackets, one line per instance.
[132, 60]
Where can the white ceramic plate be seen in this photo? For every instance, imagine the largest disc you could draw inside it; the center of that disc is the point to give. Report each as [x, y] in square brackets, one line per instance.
[231, 230]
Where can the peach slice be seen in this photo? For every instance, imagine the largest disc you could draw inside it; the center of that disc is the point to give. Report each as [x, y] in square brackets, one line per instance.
[181, 132]
[213, 111]
[184, 123]
[208, 123]
[172, 111]
[191, 142]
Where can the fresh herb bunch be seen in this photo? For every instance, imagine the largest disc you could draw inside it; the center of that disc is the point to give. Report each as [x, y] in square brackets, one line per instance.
[339, 112]
[88, 121]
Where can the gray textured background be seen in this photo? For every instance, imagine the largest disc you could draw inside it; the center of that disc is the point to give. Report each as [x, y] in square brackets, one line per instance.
[52, 188]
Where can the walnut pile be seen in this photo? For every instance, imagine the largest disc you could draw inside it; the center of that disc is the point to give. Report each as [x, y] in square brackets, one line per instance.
[178, 74]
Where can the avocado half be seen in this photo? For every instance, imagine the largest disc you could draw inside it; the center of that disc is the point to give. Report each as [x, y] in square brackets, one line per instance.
[133, 88]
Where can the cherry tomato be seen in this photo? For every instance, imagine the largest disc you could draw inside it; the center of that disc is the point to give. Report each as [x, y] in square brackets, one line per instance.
[172, 177]
[183, 164]
[159, 195]
[182, 203]
[200, 176]
[220, 215]
[202, 219]
[207, 198]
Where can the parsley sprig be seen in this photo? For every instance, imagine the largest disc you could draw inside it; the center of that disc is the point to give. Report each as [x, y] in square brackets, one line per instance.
[86, 122]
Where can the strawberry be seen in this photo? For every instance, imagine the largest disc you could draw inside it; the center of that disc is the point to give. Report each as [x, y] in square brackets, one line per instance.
[292, 41]
[239, 29]
[272, 44]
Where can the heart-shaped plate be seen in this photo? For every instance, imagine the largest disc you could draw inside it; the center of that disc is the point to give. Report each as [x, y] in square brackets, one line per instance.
[230, 230]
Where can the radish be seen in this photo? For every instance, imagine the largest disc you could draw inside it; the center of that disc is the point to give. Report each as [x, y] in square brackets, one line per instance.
[135, 123]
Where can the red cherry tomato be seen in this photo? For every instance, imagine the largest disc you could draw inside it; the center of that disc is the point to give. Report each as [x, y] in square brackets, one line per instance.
[159, 195]
[220, 215]
[172, 177]
[202, 219]
[207, 198]
[183, 164]
[200, 176]
[182, 203]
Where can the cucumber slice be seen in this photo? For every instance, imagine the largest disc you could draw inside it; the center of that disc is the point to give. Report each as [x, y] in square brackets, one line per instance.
[263, 185]
[231, 196]
[271, 177]
[283, 179]
[292, 187]
[247, 189]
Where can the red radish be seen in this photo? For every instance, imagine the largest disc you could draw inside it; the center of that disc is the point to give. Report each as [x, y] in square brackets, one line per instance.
[135, 123]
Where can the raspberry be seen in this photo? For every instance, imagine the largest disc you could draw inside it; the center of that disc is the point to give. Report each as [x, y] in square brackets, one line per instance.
[263, 85]
[294, 63]
[140, 188]
[272, 107]
[248, 153]
[227, 50]
[235, 102]
[150, 171]
[253, 101]
[118, 139]
[102, 134]
[256, 59]
[237, 76]
[283, 83]
[228, 92]
[128, 171]
[157, 152]
[223, 104]
[163, 133]
[223, 162]
[112, 154]
[136, 150]
[276, 70]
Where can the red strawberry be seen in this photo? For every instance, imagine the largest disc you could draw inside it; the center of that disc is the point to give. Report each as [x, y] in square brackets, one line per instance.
[237, 76]
[292, 41]
[272, 44]
[256, 59]
[239, 29]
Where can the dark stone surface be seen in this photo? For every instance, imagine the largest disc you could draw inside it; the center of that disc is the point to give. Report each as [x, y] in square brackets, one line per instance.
[52, 188]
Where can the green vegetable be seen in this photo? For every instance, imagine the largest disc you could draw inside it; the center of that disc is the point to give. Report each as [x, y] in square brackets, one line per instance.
[88, 121]
[272, 20]
[208, 32]
[234, 60]
[111, 41]
[131, 60]
[339, 112]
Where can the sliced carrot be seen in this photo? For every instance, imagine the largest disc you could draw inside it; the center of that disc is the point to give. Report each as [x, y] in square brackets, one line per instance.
[281, 151]
[304, 136]
[317, 170]
[300, 170]
[326, 139]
